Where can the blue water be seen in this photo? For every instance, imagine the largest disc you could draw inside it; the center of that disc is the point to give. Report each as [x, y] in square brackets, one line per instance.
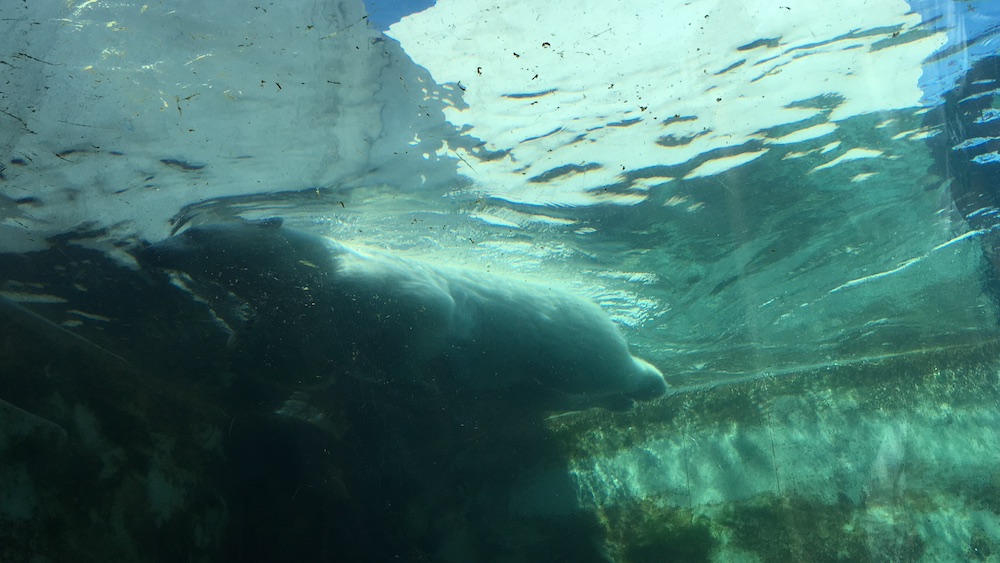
[975, 33]
[383, 13]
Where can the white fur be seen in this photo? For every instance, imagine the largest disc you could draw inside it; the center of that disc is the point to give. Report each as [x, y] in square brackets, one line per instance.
[476, 333]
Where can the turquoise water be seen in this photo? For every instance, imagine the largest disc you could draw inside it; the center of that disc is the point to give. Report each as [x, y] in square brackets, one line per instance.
[789, 211]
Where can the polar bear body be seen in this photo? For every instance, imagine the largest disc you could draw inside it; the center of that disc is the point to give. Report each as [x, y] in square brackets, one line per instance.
[393, 318]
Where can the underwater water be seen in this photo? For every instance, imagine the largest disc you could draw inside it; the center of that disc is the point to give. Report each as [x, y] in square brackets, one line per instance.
[789, 210]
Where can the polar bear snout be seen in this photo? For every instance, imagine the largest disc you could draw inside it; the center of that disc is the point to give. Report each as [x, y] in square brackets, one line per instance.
[650, 383]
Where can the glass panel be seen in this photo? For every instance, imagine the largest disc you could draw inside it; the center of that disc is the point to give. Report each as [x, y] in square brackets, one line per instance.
[470, 280]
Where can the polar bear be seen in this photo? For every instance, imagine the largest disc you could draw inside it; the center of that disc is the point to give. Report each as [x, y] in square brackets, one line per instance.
[394, 319]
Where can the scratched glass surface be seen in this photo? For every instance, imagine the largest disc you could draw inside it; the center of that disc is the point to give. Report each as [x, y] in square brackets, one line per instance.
[750, 189]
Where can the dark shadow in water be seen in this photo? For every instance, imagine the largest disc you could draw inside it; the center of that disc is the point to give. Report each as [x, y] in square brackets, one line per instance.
[135, 428]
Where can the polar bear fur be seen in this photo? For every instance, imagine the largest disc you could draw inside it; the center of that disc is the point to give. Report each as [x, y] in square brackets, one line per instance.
[395, 319]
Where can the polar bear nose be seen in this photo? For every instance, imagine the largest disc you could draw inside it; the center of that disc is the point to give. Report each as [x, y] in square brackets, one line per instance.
[651, 383]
